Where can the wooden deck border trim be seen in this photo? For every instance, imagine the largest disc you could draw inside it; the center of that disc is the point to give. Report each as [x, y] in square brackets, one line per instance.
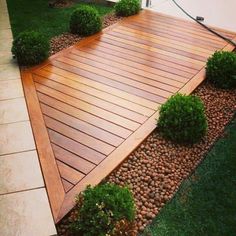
[47, 161]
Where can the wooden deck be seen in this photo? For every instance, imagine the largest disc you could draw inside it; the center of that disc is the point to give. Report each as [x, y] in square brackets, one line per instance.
[91, 105]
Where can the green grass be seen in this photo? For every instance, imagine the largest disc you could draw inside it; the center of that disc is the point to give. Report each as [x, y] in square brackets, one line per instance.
[36, 15]
[206, 202]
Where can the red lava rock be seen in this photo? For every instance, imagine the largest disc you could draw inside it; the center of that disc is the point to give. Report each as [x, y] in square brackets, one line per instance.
[171, 163]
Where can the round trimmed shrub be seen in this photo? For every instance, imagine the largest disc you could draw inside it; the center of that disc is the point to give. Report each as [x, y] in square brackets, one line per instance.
[30, 48]
[182, 119]
[101, 210]
[85, 21]
[221, 69]
[127, 7]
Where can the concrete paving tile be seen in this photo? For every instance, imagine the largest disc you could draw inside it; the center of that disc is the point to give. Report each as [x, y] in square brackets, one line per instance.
[13, 110]
[19, 172]
[4, 19]
[6, 34]
[3, 3]
[10, 89]
[6, 58]
[4, 23]
[16, 137]
[9, 71]
[5, 44]
[26, 214]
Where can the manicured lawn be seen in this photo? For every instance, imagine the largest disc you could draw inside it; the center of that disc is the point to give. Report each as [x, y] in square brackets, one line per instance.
[206, 203]
[36, 15]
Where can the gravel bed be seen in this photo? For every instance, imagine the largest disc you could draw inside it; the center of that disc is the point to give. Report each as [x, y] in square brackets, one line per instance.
[155, 170]
[67, 39]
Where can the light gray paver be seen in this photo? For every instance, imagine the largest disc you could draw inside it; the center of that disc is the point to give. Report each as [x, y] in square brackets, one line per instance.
[13, 110]
[15, 177]
[10, 89]
[16, 137]
[9, 71]
[24, 205]
[6, 34]
[5, 44]
[6, 57]
[26, 214]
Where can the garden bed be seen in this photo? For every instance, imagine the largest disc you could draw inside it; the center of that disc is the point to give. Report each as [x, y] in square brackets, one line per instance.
[205, 202]
[156, 169]
[67, 39]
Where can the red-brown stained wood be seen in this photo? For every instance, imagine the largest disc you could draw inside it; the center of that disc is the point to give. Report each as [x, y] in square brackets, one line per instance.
[149, 60]
[92, 104]
[68, 173]
[67, 185]
[72, 160]
[84, 116]
[83, 85]
[85, 127]
[76, 147]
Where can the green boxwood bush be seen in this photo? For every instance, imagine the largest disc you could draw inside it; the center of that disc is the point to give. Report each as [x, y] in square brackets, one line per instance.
[221, 69]
[182, 119]
[30, 48]
[85, 20]
[127, 7]
[101, 208]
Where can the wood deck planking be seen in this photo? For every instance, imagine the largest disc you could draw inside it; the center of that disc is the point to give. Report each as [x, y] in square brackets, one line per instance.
[150, 53]
[73, 92]
[67, 185]
[85, 127]
[167, 41]
[153, 43]
[78, 136]
[130, 86]
[68, 173]
[109, 116]
[99, 99]
[185, 31]
[98, 93]
[163, 82]
[84, 116]
[189, 23]
[103, 87]
[151, 48]
[126, 65]
[75, 147]
[73, 160]
[161, 40]
[173, 35]
[153, 62]
[124, 76]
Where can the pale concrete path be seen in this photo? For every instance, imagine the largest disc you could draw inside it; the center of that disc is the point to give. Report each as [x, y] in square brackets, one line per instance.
[24, 206]
[218, 13]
